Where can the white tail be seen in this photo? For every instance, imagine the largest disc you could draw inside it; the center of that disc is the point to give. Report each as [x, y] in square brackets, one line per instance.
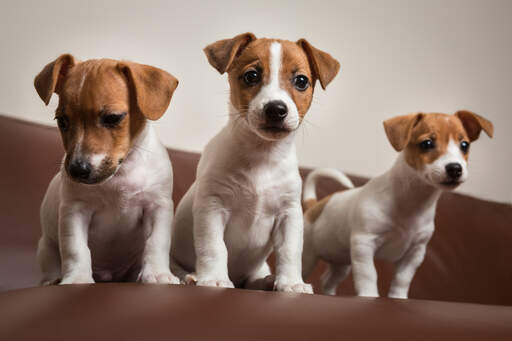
[309, 191]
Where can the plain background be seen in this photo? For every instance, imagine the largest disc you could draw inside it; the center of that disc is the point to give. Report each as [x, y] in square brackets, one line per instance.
[397, 57]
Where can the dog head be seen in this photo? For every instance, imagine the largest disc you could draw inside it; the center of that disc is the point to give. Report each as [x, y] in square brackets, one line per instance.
[103, 106]
[437, 145]
[271, 81]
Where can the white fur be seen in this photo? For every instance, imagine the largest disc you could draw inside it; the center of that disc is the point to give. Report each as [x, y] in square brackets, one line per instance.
[309, 191]
[244, 203]
[389, 218]
[435, 172]
[118, 229]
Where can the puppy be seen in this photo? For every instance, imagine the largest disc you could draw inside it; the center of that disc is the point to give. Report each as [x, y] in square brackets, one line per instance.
[245, 201]
[392, 216]
[107, 213]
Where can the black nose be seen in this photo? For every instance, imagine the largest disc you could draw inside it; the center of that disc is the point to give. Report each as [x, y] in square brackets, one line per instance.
[275, 111]
[454, 170]
[80, 169]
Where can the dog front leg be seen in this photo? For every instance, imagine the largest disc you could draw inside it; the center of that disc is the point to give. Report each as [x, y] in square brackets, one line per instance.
[75, 255]
[405, 269]
[155, 259]
[363, 267]
[288, 241]
[211, 252]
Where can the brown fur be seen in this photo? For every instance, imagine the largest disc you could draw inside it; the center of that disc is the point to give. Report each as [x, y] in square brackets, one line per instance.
[243, 52]
[87, 90]
[407, 132]
[314, 208]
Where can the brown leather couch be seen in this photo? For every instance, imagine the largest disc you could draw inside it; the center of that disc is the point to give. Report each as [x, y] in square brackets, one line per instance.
[462, 291]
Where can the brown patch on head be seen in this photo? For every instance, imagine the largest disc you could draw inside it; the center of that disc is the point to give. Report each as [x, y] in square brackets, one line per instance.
[103, 105]
[413, 133]
[312, 214]
[255, 56]
[294, 63]
[244, 53]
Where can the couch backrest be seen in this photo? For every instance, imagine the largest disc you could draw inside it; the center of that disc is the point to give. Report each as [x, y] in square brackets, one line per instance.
[468, 258]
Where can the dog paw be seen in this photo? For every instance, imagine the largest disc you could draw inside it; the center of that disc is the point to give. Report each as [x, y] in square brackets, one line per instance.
[398, 296]
[295, 287]
[52, 281]
[163, 276]
[220, 283]
[77, 278]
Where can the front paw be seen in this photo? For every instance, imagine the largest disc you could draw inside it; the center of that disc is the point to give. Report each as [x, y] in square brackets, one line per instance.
[214, 282]
[77, 278]
[157, 276]
[293, 286]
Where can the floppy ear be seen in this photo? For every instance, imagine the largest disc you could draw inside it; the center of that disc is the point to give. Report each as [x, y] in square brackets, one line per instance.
[49, 80]
[398, 129]
[323, 65]
[151, 88]
[222, 53]
[473, 124]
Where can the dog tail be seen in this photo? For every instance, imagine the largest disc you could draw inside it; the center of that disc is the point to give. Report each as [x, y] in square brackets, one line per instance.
[309, 193]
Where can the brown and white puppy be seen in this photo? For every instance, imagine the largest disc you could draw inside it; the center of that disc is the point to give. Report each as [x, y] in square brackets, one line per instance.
[107, 214]
[392, 216]
[245, 201]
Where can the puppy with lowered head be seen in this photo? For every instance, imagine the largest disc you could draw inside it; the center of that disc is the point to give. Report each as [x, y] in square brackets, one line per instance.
[245, 201]
[107, 213]
[392, 216]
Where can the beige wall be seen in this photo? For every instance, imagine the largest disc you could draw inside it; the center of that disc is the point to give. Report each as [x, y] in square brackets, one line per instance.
[396, 56]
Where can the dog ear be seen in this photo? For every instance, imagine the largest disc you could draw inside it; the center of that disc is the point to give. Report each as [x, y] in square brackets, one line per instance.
[50, 79]
[398, 129]
[473, 124]
[222, 53]
[323, 65]
[152, 88]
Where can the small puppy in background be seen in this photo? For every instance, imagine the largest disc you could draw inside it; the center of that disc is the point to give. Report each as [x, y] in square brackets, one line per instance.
[392, 216]
[107, 213]
[245, 201]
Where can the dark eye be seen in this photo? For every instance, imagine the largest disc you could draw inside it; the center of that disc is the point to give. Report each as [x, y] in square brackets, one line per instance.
[427, 145]
[112, 120]
[464, 146]
[252, 77]
[301, 82]
[62, 122]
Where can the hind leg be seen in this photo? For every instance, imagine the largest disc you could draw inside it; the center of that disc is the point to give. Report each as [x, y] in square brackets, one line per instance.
[333, 276]
[262, 279]
[48, 257]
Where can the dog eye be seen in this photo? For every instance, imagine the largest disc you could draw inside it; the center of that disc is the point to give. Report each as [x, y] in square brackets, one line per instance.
[464, 146]
[252, 77]
[301, 82]
[112, 120]
[62, 122]
[427, 145]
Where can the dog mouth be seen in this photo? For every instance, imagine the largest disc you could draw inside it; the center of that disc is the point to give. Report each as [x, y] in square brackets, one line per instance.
[275, 130]
[450, 183]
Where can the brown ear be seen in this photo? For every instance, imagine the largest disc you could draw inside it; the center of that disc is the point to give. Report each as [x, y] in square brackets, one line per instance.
[473, 124]
[49, 80]
[151, 87]
[398, 129]
[222, 53]
[323, 65]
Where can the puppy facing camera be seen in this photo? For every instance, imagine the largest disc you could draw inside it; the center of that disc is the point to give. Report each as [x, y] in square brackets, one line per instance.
[245, 202]
[392, 216]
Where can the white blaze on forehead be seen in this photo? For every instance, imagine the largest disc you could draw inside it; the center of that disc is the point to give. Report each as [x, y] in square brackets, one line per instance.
[275, 64]
[272, 91]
